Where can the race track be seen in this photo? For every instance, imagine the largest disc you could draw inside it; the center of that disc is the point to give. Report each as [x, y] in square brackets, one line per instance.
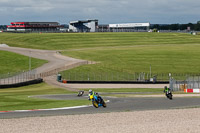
[114, 105]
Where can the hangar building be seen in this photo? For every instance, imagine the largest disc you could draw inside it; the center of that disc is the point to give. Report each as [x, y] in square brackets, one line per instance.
[83, 26]
[34, 26]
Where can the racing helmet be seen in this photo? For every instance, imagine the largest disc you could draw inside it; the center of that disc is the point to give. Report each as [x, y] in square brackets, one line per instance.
[90, 91]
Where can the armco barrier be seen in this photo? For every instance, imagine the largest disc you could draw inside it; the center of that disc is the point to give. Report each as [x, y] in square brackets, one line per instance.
[35, 81]
[117, 82]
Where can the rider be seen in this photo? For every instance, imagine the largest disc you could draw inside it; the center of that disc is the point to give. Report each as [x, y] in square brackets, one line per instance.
[92, 93]
[80, 93]
[166, 90]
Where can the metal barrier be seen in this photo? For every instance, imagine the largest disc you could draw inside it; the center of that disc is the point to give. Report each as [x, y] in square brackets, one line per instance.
[24, 76]
[13, 78]
[120, 76]
[191, 82]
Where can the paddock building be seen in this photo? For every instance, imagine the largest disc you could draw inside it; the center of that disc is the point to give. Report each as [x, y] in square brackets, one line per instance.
[34, 27]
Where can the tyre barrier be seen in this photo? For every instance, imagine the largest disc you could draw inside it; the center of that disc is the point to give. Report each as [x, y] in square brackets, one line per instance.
[35, 81]
[64, 81]
[192, 90]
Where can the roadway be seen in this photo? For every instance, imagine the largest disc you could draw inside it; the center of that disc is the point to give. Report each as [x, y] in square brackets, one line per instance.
[114, 105]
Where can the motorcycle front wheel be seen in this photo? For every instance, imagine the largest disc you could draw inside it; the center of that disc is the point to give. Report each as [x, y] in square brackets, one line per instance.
[95, 104]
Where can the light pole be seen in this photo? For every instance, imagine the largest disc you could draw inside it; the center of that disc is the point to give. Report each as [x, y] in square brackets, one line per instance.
[170, 81]
[29, 60]
[150, 70]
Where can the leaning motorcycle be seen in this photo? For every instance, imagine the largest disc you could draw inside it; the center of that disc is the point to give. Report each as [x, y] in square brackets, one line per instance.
[169, 95]
[97, 101]
[80, 93]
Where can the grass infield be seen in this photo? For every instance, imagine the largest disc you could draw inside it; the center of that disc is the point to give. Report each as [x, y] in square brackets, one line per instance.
[66, 41]
[18, 98]
[11, 62]
[121, 53]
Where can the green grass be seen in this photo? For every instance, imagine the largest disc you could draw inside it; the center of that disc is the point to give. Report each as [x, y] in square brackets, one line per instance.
[11, 62]
[119, 53]
[17, 98]
[61, 41]
[163, 59]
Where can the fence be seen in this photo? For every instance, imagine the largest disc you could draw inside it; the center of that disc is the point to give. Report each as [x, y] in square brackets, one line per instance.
[109, 76]
[13, 78]
[24, 76]
[191, 82]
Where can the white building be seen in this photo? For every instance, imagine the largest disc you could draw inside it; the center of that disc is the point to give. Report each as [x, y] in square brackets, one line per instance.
[129, 26]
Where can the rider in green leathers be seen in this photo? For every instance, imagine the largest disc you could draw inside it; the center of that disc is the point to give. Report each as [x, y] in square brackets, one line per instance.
[166, 90]
[91, 93]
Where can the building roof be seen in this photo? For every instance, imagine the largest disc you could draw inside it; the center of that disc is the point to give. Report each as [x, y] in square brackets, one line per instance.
[83, 21]
[127, 25]
[34, 23]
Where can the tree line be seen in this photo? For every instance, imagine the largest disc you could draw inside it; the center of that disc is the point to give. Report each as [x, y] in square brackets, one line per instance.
[3, 27]
[189, 26]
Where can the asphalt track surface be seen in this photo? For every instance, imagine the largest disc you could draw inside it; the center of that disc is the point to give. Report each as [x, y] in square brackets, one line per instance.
[114, 105]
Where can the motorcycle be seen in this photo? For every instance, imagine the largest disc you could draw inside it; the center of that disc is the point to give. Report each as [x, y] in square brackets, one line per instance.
[169, 95]
[97, 101]
[80, 93]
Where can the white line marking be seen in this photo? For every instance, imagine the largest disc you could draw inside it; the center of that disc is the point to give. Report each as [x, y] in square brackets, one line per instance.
[64, 108]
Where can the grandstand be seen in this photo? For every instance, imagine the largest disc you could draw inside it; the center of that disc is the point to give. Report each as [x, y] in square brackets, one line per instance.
[34, 27]
[83, 26]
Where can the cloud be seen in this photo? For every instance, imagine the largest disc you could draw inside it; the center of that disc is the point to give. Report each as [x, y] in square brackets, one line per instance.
[107, 11]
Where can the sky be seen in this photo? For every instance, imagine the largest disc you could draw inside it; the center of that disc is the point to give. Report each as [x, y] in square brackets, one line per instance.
[106, 11]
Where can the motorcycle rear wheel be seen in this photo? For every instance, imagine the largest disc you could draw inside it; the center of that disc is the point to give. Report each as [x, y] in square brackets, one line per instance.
[169, 96]
[103, 104]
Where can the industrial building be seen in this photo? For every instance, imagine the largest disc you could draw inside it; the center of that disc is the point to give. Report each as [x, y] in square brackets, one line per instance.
[83, 26]
[34, 27]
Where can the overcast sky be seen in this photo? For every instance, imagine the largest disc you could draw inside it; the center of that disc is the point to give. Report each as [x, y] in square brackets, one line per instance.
[106, 11]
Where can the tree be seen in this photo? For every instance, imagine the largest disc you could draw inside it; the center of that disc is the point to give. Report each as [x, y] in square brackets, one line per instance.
[156, 26]
[3, 27]
[191, 26]
[174, 27]
[197, 27]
